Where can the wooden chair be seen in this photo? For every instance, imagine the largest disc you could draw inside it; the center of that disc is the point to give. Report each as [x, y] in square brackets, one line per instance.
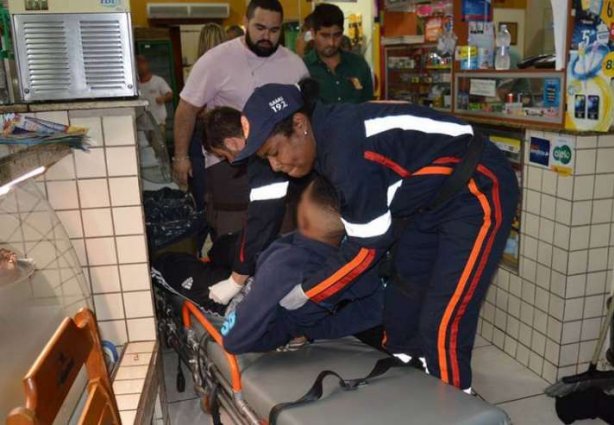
[74, 344]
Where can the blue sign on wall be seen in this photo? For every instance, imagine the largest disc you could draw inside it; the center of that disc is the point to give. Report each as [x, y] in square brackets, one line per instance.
[539, 151]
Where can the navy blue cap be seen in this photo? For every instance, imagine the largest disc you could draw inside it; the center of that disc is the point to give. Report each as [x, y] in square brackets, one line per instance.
[266, 107]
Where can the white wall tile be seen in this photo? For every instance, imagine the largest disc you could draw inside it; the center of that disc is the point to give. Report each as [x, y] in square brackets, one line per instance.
[543, 276]
[576, 286]
[606, 141]
[487, 331]
[128, 401]
[125, 191]
[141, 329]
[552, 351]
[571, 332]
[79, 245]
[105, 279]
[122, 161]
[555, 328]
[581, 213]
[90, 163]
[573, 309]
[514, 306]
[564, 187]
[533, 203]
[544, 256]
[127, 417]
[138, 304]
[525, 334]
[542, 300]
[534, 178]
[586, 142]
[557, 283]
[64, 169]
[131, 249]
[569, 354]
[561, 235]
[598, 260]
[134, 372]
[94, 127]
[563, 211]
[134, 386]
[560, 260]
[538, 343]
[513, 327]
[579, 237]
[141, 347]
[604, 186]
[119, 130]
[60, 117]
[586, 351]
[583, 188]
[94, 193]
[594, 306]
[578, 262]
[529, 247]
[101, 251]
[549, 180]
[590, 329]
[522, 354]
[602, 211]
[128, 220]
[527, 312]
[557, 307]
[489, 312]
[63, 195]
[71, 220]
[605, 161]
[500, 319]
[536, 362]
[109, 306]
[548, 206]
[546, 230]
[528, 270]
[585, 162]
[114, 331]
[515, 285]
[596, 283]
[135, 276]
[97, 222]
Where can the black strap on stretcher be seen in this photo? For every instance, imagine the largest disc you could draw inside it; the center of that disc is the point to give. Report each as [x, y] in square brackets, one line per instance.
[452, 185]
[315, 392]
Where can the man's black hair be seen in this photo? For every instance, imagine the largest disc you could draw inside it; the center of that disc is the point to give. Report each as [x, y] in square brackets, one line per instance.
[220, 123]
[271, 5]
[324, 194]
[327, 15]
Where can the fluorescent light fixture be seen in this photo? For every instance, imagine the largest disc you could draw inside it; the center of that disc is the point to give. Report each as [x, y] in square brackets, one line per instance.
[7, 187]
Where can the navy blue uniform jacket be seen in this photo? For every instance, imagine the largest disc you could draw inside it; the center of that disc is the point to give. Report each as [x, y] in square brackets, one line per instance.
[260, 324]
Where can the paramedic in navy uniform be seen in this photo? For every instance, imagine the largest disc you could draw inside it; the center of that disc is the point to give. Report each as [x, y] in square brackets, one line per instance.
[396, 168]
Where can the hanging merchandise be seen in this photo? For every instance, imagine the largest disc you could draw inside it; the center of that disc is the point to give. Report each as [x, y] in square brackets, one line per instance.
[433, 29]
[482, 36]
[476, 10]
[590, 73]
[447, 41]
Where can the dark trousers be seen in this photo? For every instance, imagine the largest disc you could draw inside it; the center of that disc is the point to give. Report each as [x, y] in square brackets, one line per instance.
[446, 260]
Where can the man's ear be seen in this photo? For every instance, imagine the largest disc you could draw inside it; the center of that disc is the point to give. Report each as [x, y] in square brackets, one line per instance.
[234, 144]
[299, 122]
[245, 23]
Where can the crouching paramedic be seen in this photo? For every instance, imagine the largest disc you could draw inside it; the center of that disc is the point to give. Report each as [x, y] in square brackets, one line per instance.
[412, 180]
[257, 322]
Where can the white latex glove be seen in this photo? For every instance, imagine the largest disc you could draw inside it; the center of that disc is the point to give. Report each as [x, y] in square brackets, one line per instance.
[222, 292]
[295, 299]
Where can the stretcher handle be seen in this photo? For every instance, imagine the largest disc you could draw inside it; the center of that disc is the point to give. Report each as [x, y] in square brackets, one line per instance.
[235, 373]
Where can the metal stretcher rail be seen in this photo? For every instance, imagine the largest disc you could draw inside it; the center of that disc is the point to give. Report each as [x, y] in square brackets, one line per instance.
[188, 310]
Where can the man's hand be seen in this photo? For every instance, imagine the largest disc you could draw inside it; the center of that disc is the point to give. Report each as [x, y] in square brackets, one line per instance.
[182, 168]
[222, 292]
[295, 299]
[239, 278]
[160, 100]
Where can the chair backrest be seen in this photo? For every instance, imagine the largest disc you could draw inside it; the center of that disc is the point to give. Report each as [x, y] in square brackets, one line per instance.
[74, 344]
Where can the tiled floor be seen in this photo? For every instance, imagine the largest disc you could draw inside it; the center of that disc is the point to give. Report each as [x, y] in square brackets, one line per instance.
[497, 378]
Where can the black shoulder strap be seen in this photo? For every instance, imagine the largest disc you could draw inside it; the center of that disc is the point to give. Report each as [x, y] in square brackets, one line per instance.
[315, 392]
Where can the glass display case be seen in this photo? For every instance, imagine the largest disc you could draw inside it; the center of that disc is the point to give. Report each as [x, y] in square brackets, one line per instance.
[41, 282]
[514, 96]
[418, 74]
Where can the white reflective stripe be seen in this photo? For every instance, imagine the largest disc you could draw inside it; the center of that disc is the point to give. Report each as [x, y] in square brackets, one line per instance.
[403, 357]
[410, 122]
[270, 191]
[375, 227]
[392, 190]
[468, 391]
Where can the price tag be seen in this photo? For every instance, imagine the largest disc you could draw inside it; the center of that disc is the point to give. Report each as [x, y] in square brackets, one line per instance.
[607, 12]
[607, 66]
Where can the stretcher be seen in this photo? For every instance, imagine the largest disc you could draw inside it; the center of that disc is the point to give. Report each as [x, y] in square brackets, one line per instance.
[247, 387]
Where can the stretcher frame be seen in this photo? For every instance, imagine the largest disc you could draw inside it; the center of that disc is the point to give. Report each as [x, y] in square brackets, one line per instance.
[210, 383]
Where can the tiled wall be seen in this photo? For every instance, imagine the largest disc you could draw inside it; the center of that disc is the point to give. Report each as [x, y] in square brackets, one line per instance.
[96, 195]
[548, 315]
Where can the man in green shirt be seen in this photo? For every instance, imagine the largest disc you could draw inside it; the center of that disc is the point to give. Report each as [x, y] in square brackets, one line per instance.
[343, 76]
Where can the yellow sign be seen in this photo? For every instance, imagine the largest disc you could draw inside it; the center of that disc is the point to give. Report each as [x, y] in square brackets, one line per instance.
[607, 65]
[607, 12]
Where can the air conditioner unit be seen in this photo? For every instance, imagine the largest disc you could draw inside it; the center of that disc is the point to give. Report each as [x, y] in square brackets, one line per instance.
[188, 10]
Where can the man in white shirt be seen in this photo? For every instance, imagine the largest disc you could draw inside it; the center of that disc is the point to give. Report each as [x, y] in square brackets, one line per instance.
[155, 90]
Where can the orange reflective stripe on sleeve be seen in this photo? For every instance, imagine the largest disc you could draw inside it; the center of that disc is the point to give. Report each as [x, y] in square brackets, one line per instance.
[342, 277]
